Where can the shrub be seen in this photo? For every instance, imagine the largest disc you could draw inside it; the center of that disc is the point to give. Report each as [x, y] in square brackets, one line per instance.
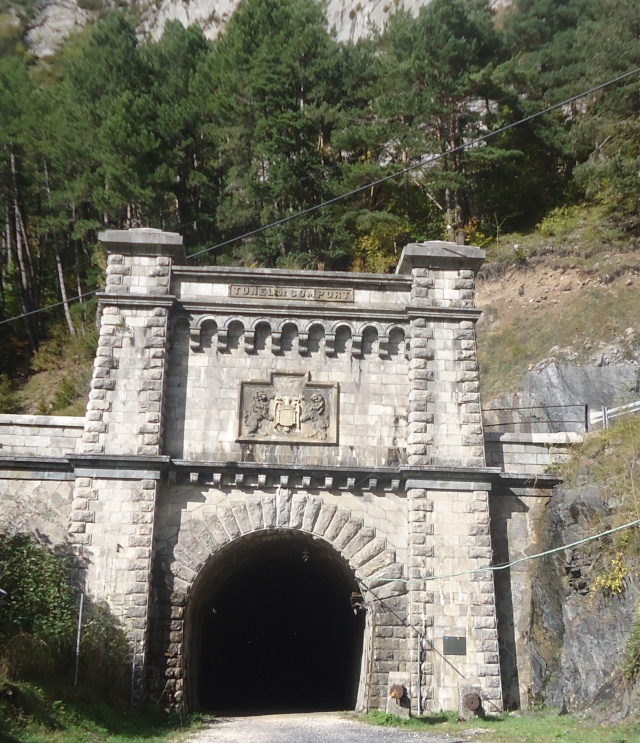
[40, 600]
[9, 402]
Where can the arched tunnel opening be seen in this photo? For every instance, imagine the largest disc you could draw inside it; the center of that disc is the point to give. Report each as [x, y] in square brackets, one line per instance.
[272, 628]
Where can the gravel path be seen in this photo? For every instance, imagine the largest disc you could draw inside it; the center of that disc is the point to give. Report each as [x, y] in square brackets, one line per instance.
[323, 727]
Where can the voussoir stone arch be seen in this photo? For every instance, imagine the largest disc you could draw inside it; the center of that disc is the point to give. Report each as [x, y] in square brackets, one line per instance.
[366, 553]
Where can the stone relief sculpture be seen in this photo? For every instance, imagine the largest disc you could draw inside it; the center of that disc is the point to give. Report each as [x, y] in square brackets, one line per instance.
[314, 413]
[289, 408]
[258, 414]
[286, 414]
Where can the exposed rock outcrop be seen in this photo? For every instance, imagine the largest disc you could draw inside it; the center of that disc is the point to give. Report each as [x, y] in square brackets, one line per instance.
[578, 636]
[53, 22]
[554, 395]
[56, 19]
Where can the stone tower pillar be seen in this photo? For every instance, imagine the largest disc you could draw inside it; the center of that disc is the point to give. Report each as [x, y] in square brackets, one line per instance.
[452, 602]
[120, 463]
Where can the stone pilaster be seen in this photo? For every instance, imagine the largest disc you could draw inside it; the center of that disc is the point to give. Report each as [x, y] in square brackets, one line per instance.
[422, 394]
[445, 426]
[451, 596]
[448, 516]
[120, 461]
[421, 597]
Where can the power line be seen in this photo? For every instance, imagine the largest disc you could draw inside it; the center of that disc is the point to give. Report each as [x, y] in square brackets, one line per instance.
[415, 166]
[506, 565]
[49, 307]
[342, 197]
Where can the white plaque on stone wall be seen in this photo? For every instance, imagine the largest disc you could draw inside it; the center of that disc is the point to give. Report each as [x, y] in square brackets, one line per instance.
[289, 408]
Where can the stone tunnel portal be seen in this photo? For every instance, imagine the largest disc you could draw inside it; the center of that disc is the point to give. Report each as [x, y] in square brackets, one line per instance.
[274, 629]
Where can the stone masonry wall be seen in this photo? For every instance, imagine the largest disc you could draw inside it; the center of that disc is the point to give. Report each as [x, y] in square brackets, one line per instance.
[463, 605]
[36, 502]
[530, 453]
[372, 416]
[226, 338]
[39, 435]
[368, 531]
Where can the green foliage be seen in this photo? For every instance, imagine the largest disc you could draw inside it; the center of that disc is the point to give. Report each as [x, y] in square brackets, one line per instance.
[559, 221]
[378, 251]
[40, 600]
[533, 726]
[610, 581]
[38, 624]
[57, 713]
[631, 662]
[9, 401]
[103, 652]
[217, 138]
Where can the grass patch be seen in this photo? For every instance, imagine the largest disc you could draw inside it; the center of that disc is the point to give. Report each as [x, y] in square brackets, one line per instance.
[570, 235]
[611, 458]
[582, 247]
[522, 338]
[524, 727]
[31, 713]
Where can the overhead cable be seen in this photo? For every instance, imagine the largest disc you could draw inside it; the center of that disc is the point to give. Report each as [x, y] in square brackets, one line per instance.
[416, 166]
[507, 565]
[372, 184]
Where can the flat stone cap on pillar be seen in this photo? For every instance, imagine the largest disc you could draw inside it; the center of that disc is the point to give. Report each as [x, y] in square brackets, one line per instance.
[439, 254]
[143, 241]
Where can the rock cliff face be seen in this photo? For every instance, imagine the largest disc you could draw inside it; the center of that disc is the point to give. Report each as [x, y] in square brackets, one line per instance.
[554, 396]
[54, 20]
[578, 636]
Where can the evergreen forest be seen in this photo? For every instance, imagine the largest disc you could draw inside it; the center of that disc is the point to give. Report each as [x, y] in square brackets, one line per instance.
[215, 139]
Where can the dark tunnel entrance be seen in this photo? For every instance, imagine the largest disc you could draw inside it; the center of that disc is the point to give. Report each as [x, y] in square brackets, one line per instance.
[273, 628]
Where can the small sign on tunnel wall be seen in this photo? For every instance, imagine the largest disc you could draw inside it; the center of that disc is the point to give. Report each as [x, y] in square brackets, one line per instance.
[454, 645]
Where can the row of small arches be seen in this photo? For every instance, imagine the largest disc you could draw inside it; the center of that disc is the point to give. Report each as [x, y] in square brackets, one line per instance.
[287, 337]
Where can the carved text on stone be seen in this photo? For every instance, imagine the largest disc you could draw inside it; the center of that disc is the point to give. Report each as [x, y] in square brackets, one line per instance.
[305, 293]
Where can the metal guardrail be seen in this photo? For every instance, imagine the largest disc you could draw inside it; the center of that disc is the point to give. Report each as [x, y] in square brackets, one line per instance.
[605, 415]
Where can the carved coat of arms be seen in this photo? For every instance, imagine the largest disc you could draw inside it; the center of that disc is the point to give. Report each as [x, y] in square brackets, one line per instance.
[288, 408]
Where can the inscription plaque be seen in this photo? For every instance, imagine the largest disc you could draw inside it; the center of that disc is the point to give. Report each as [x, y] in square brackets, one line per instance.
[304, 293]
[454, 645]
[289, 408]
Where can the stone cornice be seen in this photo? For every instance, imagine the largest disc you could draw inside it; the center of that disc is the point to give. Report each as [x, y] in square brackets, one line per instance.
[297, 309]
[527, 480]
[443, 313]
[114, 466]
[13, 467]
[440, 254]
[137, 300]
[224, 274]
[143, 241]
[400, 313]
[311, 477]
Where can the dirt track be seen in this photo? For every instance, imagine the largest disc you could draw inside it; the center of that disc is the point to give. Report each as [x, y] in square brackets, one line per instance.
[312, 728]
